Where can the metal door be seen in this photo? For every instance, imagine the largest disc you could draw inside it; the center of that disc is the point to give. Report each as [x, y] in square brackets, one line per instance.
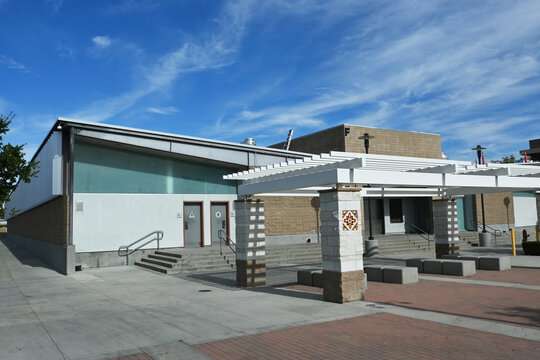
[220, 221]
[193, 225]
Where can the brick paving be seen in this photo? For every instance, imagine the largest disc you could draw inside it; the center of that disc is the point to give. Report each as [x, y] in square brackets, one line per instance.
[376, 336]
[515, 276]
[510, 305]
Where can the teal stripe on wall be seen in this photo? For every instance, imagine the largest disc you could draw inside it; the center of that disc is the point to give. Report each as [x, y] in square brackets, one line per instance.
[525, 193]
[100, 169]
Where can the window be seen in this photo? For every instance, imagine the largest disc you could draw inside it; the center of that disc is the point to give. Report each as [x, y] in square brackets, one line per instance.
[396, 211]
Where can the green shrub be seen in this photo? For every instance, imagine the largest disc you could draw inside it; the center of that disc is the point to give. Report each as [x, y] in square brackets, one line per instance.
[531, 247]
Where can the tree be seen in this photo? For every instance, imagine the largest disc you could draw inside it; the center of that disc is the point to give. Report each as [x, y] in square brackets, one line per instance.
[506, 160]
[13, 166]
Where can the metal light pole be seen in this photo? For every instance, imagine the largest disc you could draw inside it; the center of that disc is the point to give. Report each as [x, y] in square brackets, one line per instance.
[366, 138]
[479, 149]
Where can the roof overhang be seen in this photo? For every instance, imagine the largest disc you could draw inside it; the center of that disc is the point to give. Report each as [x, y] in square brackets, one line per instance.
[237, 154]
[386, 175]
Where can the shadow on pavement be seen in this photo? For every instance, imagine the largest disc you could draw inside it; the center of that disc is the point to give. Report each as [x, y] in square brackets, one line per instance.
[24, 257]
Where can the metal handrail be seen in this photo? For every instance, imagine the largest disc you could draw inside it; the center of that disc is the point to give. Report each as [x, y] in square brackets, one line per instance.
[223, 237]
[494, 232]
[422, 233]
[125, 251]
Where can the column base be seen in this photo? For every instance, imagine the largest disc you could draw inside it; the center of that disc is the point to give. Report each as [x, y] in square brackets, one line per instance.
[446, 249]
[250, 272]
[343, 287]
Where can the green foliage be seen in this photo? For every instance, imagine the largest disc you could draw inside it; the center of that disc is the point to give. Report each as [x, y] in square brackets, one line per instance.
[510, 159]
[13, 166]
[531, 247]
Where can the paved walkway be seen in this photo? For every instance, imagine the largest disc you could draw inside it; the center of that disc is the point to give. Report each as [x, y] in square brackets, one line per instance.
[130, 313]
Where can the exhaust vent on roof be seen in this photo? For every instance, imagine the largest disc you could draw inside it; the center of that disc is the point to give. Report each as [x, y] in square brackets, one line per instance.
[249, 141]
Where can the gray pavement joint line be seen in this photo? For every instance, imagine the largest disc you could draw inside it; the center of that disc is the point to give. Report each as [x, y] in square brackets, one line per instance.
[481, 282]
[30, 307]
[488, 326]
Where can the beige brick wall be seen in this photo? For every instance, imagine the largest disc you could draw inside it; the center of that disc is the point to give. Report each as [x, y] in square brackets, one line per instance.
[496, 210]
[47, 222]
[394, 142]
[386, 142]
[320, 142]
[290, 215]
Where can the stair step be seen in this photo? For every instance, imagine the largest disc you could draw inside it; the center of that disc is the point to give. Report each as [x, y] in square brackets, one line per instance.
[168, 253]
[171, 259]
[154, 267]
[165, 264]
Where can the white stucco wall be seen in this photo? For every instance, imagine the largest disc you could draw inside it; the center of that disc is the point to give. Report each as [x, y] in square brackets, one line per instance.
[47, 184]
[525, 210]
[109, 221]
[390, 227]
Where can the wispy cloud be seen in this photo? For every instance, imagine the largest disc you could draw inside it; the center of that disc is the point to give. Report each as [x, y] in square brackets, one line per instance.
[167, 110]
[214, 50]
[101, 41]
[12, 64]
[133, 6]
[416, 66]
[55, 4]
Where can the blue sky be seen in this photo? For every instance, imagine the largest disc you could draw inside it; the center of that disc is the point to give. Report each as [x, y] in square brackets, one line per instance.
[468, 70]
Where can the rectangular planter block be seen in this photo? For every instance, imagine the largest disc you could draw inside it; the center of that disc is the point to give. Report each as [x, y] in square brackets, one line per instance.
[417, 263]
[432, 266]
[400, 275]
[458, 267]
[316, 278]
[374, 273]
[474, 258]
[497, 263]
[305, 276]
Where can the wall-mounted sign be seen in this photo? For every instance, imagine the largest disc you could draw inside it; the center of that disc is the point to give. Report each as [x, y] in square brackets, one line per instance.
[191, 215]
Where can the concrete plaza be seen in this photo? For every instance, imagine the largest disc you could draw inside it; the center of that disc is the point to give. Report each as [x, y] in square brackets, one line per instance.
[129, 313]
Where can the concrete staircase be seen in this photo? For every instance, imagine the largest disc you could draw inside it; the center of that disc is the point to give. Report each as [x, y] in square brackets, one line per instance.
[210, 259]
[402, 243]
[468, 239]
[188, 261]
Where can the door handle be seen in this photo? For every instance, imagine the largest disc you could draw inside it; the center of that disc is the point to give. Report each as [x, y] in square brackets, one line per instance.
[185, 225]
[223, 224]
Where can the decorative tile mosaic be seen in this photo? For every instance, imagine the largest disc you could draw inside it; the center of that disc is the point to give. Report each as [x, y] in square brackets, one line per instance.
[350, 220]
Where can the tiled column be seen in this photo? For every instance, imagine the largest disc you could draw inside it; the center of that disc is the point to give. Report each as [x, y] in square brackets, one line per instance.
[342, 245]
[250, 243]
[445, 224]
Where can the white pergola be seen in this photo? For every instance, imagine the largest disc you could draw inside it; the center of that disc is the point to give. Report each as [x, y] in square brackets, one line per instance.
[388, 176]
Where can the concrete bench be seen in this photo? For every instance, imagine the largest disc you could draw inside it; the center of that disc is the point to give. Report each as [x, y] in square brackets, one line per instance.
[305, 277]
[494, 263]
[443, 266]
[400, 275]
[458, 267]
[374, 272]
[391, 274]
[417, 263]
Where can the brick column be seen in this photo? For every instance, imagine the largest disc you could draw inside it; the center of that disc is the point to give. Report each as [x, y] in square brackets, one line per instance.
[445, 226]
[250, 243]
[342, 245]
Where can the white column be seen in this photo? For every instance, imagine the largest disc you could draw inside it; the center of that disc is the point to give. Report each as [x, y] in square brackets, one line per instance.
[342, 245]
[445, 226]
[250, 243]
